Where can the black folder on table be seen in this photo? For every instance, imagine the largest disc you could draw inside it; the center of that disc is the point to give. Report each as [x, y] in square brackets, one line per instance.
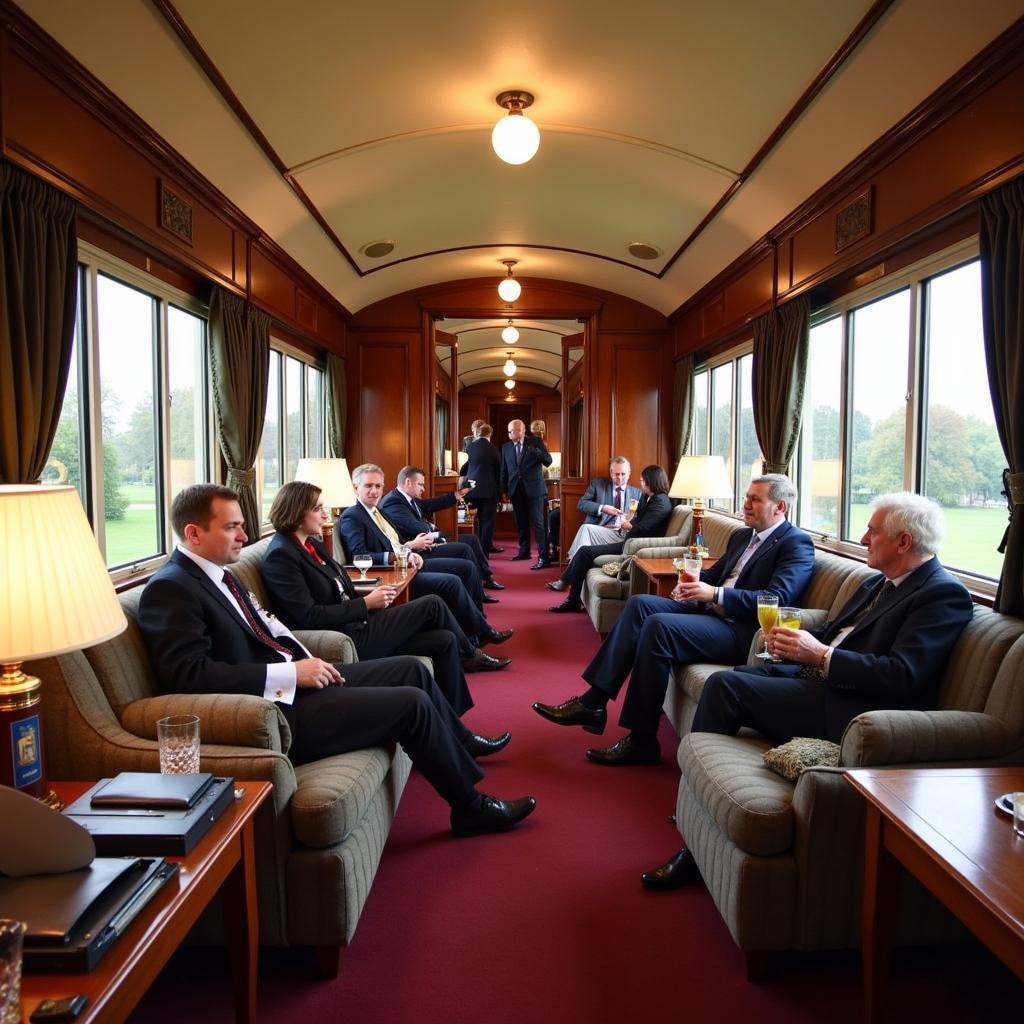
[142, 828]
[74, 917]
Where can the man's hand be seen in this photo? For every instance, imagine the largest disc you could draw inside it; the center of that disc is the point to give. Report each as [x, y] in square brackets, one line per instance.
[379, 597]
[610, 510]
[795, 645]
[415, 561]
[421, 542]
[626, 524]
[314, 674]
[462, 492]
[694, 592]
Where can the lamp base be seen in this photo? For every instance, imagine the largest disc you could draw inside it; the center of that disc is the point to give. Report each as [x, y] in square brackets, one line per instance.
[21, 735]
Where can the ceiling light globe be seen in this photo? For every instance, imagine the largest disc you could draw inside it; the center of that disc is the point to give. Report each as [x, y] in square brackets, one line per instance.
[509, 289]
[510, 335]
[510, 384]
[515, 138]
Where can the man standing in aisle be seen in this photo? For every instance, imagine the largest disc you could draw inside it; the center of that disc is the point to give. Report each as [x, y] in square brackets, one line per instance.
[522, 479]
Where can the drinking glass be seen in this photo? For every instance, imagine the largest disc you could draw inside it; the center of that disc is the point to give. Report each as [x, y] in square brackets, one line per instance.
[11, 935]
[767, 616]
[362, 563]
[789, 617]
[178, 737]
[402, 561]
[691, 569]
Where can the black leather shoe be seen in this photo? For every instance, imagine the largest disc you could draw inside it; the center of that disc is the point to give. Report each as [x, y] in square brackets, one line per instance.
[520, 557]
[493, 584]
[626, 752]
[541, 563]
[558, 585]
[680, 870]
[483, 662]
[570, 604]
[574, 712]
[481, 746]
[495, 816]
[487, 599]
[497, 636]
[495, 550]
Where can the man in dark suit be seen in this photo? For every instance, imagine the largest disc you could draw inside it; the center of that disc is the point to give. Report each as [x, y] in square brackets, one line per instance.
[713, 619]
[885, 649]
[365, 529]
[483, 468]
[205, 634]
[407, 509]
[522, 479]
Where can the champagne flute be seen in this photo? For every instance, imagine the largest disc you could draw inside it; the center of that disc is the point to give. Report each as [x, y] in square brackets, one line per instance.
[362, 563]
[767, 616]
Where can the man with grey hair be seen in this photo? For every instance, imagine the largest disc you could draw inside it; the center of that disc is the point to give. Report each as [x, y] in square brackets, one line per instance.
[712, 619]
[885, 649]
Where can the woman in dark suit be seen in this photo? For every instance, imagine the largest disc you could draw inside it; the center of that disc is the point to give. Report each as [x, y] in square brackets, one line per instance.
[309, 590]
[651, 518]
[484, 468]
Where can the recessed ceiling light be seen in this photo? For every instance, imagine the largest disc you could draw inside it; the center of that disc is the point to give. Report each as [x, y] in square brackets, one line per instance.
[643, 251]
[377, 250]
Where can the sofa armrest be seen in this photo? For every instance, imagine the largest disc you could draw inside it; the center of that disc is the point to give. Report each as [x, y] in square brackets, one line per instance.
[227, 719]
[328, 644]
[605, 559]
[916, 737]
[660, 547]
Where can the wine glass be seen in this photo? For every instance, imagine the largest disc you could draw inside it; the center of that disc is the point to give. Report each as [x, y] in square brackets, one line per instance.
[767, 616]
[362, 563]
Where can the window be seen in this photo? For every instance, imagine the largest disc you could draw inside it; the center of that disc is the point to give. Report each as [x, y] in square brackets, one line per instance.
[722, 431]
[897, 398]
[134, 425]
[270, 448]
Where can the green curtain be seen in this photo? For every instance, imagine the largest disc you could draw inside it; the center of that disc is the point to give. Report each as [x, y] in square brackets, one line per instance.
[779, 370]
[38, 291]
[1001, 242]
[337, 404]
[682, 406]
[239, 364]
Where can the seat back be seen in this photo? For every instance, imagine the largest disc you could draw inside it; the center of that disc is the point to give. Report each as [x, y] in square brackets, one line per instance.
[833, 581]
[717, 531]
[679, 523]
[247, 571]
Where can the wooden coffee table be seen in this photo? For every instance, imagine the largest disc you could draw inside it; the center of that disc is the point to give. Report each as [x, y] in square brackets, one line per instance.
[222, 861]
[390, 577]
[941, 825]
[662, 575]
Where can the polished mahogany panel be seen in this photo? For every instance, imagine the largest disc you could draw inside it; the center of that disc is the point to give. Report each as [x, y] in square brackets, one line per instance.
[633, 378]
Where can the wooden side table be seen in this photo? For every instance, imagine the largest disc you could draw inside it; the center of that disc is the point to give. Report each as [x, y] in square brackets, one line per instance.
[661, 574]
[223, 861]
[941, 825]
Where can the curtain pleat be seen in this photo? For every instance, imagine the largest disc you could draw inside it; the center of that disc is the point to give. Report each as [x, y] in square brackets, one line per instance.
[778, 372]
[682, 405]
[38, 292]
[337, 404]
[1001, 243]
[239, 365]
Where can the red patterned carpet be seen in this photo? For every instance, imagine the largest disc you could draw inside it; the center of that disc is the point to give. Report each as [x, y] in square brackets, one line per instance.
[550, 923]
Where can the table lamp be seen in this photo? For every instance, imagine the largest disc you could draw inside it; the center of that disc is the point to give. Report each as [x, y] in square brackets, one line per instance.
[699, 477]
[336, 490]
[55, 597]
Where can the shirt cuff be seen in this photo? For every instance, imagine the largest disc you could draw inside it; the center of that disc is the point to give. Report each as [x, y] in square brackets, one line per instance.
[280, 684]
[828, 661]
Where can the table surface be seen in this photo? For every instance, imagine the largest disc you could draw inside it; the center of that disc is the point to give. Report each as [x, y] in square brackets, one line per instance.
[390, 577]
[664, 566]
[119, 980]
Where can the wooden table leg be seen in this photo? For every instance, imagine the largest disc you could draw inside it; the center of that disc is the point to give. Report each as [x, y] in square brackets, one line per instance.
[879, 912]
[241, 926]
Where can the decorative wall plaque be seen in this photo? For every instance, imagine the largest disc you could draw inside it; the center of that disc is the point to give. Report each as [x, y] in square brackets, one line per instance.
[175, 213]
[853, 222]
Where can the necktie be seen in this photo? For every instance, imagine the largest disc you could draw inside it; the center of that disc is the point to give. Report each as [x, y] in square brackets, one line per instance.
[609, 520]
[519, 450]
[386, 528]
[308, 545]
[742, 560]
[252, 618]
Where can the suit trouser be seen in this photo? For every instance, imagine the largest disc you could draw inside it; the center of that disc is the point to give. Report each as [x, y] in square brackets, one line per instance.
[575, 573]
[650, 637]
[426, 627]
[554, 529]
[468, 547]
[529, 512]
[462, 567]
[393, 700]
[449, 588]
[773, 699]
[486, 510]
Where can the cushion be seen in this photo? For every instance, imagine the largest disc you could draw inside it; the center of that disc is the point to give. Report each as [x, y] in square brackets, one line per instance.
[600, 585]
[801, 752]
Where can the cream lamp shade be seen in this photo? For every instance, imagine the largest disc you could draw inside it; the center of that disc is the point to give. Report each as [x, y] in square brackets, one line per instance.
[701, 476]
[333, 479]
[55, 596]
[463, 459]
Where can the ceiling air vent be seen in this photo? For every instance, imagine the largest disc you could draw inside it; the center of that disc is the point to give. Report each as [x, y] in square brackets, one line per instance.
[377, 250]
[643, 251]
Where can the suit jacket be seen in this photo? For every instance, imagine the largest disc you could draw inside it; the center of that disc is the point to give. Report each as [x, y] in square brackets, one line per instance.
[304, 593]
[783, 563]
[483, 466]
[601, 491]
[197, 642]
[527, 474]
[411, 519]
[652, 516]
[361, 534]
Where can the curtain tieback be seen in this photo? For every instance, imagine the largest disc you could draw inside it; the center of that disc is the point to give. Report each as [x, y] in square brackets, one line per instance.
[241, 478]
[1015, 487]
[774, 467]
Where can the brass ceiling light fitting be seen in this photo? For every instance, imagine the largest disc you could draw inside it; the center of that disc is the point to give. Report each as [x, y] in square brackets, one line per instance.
[509, 289]
[510, 335]
[509, 368]
[515, 138]
[510, 384]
